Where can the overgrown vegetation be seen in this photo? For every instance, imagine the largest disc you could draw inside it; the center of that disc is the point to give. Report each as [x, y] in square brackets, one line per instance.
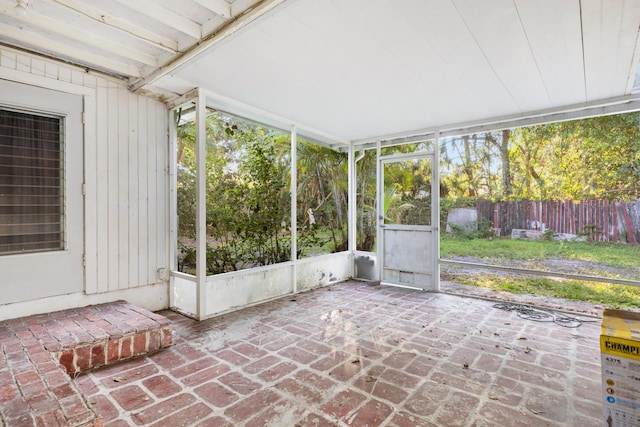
[248, 203]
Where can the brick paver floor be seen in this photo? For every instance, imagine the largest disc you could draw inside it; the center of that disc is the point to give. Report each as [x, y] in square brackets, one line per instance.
[359, 355]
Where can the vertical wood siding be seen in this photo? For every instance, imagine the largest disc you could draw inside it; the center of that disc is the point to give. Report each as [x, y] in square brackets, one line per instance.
[126, 154]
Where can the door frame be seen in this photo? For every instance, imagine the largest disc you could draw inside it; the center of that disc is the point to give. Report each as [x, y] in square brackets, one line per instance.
[433, 229]
[59, 272]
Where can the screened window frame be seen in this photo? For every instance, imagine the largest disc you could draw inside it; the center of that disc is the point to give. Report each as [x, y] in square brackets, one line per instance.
[46, 235]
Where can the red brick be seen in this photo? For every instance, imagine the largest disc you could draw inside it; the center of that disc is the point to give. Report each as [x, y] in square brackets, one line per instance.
[129, 375]
[126, 348]
[23, 420]
[83, 358]
[76, 411]
[160, 410]
[549, 405]
[140, 344]
[131, 397]
[299, 355]
[98, 355]
[346, 371]
[261, 364]
[250, 351]
[399, 360]
[314, 346]
[248, 407]
[494, 413]
[161, 386]
[343, 403]
[51, 419]
[331, 361]
[155, 340]
[427, 399]
[191, 415]
[29, 377]
[67, 361]
[316, 421]
[216, 394]
[238, 382]
[47, 367]
[166, 336]
[300, 391]
[276, 415]
[169, 358]
[373, 413]
[8, 392]
[458, 408]
[408, 420]
[276, 372]
[86, 385]
[63, 391]
[388, 391]
[113, 351]
[191, 368]
[319, 382]
[205, 375]
[232, 357]
[15, 408]
[103, 407]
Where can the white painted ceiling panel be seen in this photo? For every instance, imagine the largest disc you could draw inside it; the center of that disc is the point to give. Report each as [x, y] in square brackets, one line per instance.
[609, 28]
[554, 34]
[354, 69]
[365, 68]
[510, 58]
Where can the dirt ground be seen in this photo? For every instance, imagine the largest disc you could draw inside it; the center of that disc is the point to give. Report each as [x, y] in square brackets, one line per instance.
[449, 273]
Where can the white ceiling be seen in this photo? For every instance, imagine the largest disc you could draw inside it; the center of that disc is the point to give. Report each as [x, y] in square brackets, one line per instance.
[350, 70]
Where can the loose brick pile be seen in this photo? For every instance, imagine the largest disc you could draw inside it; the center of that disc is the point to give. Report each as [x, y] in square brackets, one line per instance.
[39, 354]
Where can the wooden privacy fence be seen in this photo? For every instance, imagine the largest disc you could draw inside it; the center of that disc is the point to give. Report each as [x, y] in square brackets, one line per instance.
[599, 220]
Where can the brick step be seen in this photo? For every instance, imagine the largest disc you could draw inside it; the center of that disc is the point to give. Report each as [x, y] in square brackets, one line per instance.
[37, 351]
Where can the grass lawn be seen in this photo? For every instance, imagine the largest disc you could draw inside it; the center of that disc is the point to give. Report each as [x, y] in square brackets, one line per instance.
[504, 251]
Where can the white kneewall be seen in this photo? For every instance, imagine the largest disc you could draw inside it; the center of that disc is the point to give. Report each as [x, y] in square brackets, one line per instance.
[126, 207]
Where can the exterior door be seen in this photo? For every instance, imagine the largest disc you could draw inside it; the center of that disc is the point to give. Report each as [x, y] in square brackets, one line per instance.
[41, 200]
[409, 245]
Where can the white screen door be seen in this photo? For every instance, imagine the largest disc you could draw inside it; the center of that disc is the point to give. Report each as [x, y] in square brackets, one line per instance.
[408, 239]
[42, 210]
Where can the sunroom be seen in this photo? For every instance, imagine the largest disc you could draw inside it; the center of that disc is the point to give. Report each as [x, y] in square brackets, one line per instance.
[355, 78]
[155, 106]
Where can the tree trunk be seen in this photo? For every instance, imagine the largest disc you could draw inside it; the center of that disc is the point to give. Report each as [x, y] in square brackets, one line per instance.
[506, 166]
[468, 166]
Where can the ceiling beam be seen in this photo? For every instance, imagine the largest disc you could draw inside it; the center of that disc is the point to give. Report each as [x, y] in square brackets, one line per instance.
[80, 35]
[219, 7]
[37, 43]
[165, 16]
[207, 43]
[103, 17]
[603, 107]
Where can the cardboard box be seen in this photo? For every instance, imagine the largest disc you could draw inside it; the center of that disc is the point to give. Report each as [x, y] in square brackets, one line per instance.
[620, 357]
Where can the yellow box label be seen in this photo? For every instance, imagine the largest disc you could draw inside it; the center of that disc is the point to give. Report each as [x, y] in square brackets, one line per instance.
[620, 347]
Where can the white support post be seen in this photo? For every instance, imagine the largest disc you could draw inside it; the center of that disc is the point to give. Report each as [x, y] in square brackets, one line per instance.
[201, 207]
[435, 211]
[351, 222]
[294, 207]
[173, 204]
[379, 209]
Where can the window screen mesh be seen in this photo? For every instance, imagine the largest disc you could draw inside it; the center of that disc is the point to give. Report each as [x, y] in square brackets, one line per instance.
[31, 183]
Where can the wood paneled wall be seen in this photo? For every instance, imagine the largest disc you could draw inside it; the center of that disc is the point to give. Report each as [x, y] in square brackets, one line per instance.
[125, 168]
